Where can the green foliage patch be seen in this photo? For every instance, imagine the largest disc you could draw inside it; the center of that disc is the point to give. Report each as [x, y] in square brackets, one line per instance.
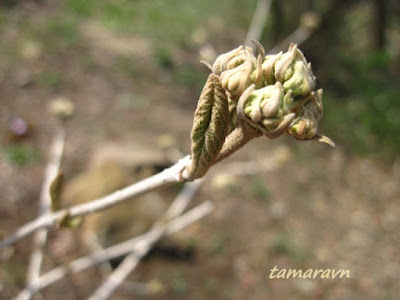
[21, 155]
[368, 119]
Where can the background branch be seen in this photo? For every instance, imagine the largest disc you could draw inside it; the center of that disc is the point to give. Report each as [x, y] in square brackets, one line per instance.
[120, 249]
[258, 22]
[167, 176]
[309, 22]
[131, 261]
[297, 37]
[39, 240]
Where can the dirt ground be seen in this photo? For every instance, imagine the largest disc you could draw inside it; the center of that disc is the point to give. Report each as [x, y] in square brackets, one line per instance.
[303, 206]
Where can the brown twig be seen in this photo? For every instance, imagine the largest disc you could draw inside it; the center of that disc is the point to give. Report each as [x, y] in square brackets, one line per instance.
[237, 139]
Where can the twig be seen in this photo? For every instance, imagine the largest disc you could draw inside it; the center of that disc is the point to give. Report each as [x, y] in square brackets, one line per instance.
[239, 137]
[297, 37]
[48, 220]
[169, 175]
[183, 199]
[258, 22]
[39, 240]
[131, 261]
[120, 249]
[309, 22]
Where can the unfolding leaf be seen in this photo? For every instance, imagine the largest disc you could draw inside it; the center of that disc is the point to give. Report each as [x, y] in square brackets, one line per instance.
[55, 191]
[69, 222]
[210, 126]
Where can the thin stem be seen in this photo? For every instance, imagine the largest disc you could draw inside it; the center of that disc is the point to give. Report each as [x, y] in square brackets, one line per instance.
[237, 139]
[39, 240]
[258, 22]
[170, 175]
[130, 262]
[298, 36]
[183, 199]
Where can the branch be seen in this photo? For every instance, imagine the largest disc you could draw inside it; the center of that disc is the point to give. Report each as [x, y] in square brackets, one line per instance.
[183, 199]
[169, 175]
[118, 250]
[309, 22]
[80, 264]
[297, 37]
[131, 261]
[236, 140]
[39, 240]
[258, 22]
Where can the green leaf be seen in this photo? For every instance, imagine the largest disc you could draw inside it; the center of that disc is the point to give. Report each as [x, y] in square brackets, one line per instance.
[210, 126]
[69, 222]
[55, 191]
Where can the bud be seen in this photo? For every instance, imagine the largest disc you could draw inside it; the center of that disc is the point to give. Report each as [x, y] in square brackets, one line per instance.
[267, 109]
[268, 67]
[62, 108]
[292, 70]
[237, 77]
[257, 76]
[273, 93]
[221, 63]
[305, 126]
[237, 70]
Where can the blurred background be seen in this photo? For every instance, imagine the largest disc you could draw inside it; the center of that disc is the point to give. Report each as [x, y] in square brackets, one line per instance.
[132, 70]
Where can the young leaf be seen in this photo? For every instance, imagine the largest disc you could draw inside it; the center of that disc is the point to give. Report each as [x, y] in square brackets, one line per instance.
[210, 126]
[69, 222]
[55, 191]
